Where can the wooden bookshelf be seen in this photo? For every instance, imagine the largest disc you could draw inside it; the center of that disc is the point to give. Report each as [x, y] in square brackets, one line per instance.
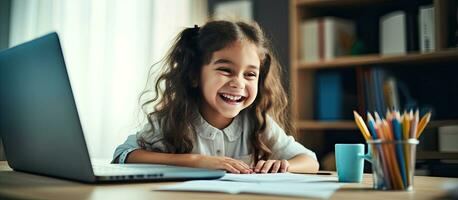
[368, 60]
[302, 73]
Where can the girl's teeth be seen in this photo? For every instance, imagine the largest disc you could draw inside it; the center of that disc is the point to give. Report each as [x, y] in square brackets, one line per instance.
[233, 98]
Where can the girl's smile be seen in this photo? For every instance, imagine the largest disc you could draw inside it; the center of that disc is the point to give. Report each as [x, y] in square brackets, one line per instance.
[229, 83]
[232, 99]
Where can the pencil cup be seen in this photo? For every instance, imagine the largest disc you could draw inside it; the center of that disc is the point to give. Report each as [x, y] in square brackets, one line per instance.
[350, 162]
[393, 163]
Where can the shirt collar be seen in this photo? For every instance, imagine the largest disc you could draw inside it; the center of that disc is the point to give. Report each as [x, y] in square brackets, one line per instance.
[206, 130]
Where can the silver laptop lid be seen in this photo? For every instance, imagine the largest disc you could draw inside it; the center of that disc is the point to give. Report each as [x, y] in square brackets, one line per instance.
[39, 122]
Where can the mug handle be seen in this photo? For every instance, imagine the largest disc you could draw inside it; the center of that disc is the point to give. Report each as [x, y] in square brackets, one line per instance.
[367, 156]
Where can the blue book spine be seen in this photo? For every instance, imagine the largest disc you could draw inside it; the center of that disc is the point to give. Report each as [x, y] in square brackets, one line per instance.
[329, 95]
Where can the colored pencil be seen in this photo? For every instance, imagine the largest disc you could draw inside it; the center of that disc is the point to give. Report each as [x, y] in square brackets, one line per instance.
[405, 130]
[362, 126]
[406, 125]
[399, 147]
[414, 124]
[423, 122]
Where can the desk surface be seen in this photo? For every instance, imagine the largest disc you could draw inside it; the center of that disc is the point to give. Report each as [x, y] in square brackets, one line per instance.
[22, 185]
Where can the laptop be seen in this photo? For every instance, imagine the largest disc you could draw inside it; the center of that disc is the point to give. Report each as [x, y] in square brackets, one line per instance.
[41, 129]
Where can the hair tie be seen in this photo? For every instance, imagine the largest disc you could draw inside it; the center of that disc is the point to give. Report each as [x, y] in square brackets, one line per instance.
[196, 29]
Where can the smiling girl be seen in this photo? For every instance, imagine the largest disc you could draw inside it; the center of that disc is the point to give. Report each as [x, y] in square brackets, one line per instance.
[219, 105]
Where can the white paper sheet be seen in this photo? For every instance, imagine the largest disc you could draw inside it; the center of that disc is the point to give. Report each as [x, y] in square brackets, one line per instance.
[286, 184]
[277, 177]
[322, 190]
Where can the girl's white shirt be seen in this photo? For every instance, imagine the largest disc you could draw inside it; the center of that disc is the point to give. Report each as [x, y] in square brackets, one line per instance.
[232, 141]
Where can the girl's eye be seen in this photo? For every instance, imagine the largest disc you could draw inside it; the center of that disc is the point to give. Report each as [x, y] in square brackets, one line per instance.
[224, 70]
[251, 75]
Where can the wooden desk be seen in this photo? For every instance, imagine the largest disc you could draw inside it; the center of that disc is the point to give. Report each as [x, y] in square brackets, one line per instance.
[22, 185]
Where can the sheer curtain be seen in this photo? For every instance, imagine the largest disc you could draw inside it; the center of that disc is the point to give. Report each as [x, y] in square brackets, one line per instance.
[109, 46]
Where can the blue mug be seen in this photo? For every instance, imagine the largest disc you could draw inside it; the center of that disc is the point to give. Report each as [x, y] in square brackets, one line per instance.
[350, 162]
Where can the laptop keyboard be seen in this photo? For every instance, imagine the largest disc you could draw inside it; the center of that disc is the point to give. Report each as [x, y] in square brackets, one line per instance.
[116, 169]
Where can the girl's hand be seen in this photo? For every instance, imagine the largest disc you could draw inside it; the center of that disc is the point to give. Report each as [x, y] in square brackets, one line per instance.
[272, 166]
[226, 163]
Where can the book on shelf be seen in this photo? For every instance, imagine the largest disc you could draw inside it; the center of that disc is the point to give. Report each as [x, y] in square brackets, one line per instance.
[393, 33]
[329, 95]
[378, 76]
[326, 38]
[448, 135]
[309, 46]
[426, 26]
[390, 92]
[378, 90]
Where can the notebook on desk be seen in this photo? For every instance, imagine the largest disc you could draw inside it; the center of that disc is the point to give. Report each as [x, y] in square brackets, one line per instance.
[40, 126]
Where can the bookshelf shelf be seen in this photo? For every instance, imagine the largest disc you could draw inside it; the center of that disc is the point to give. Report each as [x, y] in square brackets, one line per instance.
[435, 124]
[323, 125]
[429, 155]
[336, 3]
[368, 60]
[350, 125]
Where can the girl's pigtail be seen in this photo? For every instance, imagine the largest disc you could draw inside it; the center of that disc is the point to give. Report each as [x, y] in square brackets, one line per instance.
[184, 60]
[186, 50]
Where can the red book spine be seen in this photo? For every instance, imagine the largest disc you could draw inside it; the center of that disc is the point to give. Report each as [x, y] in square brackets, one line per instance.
[321, 39]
